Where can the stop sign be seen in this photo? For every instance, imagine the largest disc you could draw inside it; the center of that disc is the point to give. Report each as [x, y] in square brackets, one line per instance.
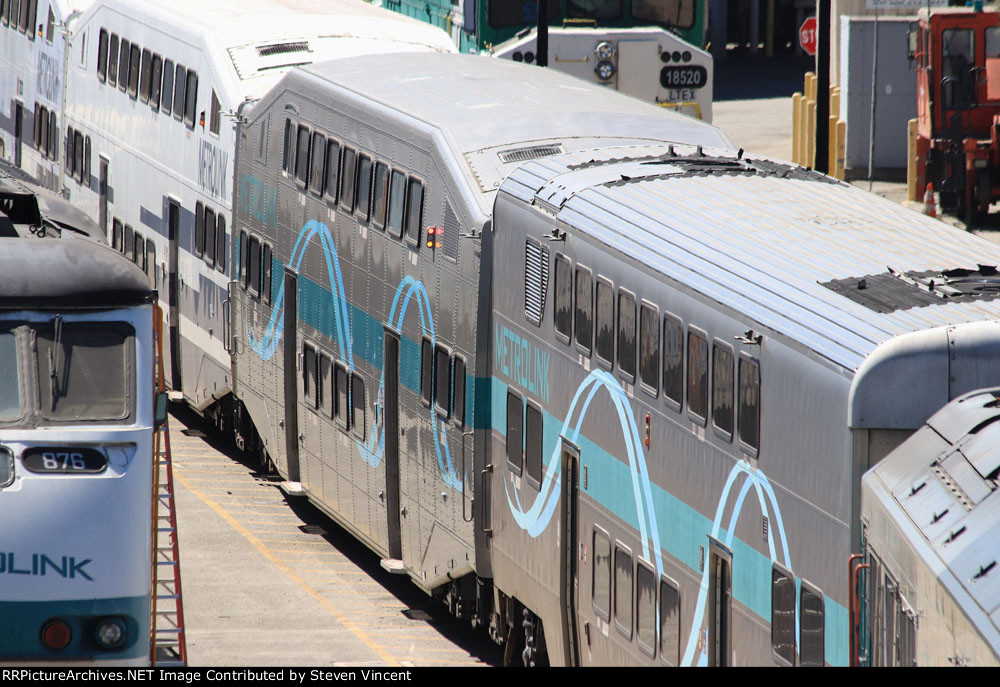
[807, 35]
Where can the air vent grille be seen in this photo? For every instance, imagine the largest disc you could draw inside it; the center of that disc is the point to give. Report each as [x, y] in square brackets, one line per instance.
[281, 48]
[536, 280]
[532, 153]
[451, 233]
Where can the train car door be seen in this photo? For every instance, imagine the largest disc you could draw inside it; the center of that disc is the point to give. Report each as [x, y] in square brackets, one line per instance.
[173, 356]
[291, 316]
[391, 415]
[720, 605]
[569, 534]
[18, 132]
[103, 192]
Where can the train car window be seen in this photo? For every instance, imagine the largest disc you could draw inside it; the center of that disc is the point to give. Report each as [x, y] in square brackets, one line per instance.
[381, 188]
[426, 370]
[302, 154]
[116, 234]
[89, 366]
[670, 622]
[168, 87]
[253, 267]
[605, 322]
[113, 47]
[210, 227]
[515, 432]
[649, 348]
[37, 129]
[151, 262]
[78, 153]
[86, 161]
[324, 386]
[583, 324]
[782, 616]
[645, 603]
[318, 174]
[364, 192]
[70, 152]
[812, 651]
[29, 9]
[722, 389]
[53, 137]
[191, 98]
[123, 55]
[133, 71]
[678, 13]
[442, 381]
[265, 273]
[414, 209]
[199, 229]
[215, 115]
[155, 81]
[50, 26]
[533, 442]
[458, 401]
[601, 584]
[594, 9]
[697, 375]
[623, 590]
[139, 253]
[180, 82]
[332, 169]
[347, 179]
[397, 201]
[43, 132]
[673, 361]
[342, 414]
[146, 75]
[220, 245]
[358, 405]
[749, 404]
[626, 333]
[244, 252]
[5, 6]
[102, 55]
[288, 150]
[563, 298]
[128, 247]
[309, 373]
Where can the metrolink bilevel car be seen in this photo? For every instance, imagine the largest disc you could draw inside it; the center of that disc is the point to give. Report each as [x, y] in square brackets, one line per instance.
[76, 442]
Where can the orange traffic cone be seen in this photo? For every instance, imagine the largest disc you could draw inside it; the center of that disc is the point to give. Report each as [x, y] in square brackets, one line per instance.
[930, 206]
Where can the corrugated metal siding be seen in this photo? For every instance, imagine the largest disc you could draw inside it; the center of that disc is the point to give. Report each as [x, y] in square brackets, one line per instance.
[763, 245]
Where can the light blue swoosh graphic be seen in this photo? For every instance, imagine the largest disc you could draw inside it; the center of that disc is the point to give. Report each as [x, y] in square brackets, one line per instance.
[373, 448]
[536, 517]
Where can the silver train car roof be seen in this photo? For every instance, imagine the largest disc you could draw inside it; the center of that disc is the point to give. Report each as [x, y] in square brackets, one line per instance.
[939, 488]
[836, 268]
[496, 113]
[69, 273]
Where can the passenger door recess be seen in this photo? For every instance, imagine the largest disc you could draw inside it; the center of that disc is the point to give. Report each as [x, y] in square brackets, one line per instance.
[569, 583]
[290, 347]
[391, 414]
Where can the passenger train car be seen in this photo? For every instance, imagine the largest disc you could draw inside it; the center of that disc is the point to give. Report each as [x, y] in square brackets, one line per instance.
[362, 320]
[610, 396]
[152, 104]
[927, 585]
[33, 61]
[76, 440]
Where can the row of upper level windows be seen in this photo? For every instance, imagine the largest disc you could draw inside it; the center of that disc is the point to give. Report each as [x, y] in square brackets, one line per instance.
[210, 236]
[78, 154]
[629, 331]
[21, 16]
[254, 266]
[135, 247]
[146, 76]
[389, 198]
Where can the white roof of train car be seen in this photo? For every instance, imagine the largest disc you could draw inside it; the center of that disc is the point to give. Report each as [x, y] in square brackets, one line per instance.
[761, 244]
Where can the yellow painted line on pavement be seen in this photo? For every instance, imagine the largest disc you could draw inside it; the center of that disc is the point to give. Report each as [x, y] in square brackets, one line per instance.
[269, 555]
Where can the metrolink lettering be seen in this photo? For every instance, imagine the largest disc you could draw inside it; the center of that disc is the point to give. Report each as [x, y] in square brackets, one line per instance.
[259, 201]
[522, 362]
[47, 83]
[42, 565]
[213, 166]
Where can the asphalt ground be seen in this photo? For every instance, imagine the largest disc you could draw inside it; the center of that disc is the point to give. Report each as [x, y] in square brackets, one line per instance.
[269, 580]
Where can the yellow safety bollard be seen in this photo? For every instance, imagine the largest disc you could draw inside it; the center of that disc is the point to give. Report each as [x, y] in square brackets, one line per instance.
[831, 146]
[841, 149]
[796, 127]
[810, 159]
[911, 159]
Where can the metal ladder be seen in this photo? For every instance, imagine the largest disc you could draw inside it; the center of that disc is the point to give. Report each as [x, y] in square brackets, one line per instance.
[167, 644]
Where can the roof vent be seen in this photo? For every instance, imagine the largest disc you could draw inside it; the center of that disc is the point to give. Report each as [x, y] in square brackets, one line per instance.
[281, 48]
[532, 153]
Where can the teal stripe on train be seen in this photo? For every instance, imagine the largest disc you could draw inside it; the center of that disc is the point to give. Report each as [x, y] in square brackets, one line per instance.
[612, 485]
[22, 621]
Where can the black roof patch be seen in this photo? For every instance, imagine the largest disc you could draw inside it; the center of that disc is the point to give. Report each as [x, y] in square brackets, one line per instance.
[894, 290]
